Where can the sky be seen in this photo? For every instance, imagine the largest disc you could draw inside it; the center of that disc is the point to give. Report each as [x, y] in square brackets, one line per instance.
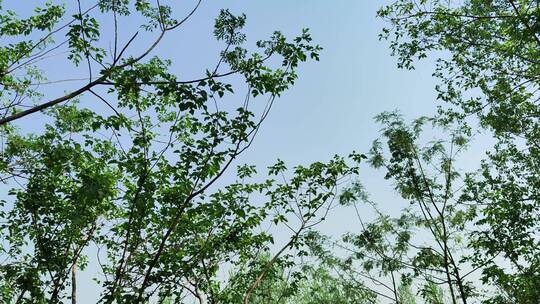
[331, 107]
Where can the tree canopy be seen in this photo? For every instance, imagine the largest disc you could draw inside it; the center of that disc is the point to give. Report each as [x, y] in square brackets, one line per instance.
[135, 183]
[124, 171]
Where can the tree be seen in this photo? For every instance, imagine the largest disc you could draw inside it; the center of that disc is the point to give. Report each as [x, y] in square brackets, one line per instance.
[488, 55]
[423, 250]
[136, 184]
[306, 283]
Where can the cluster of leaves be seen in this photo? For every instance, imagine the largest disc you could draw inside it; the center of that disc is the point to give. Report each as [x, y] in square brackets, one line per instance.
[423, 248]
[305, 284]
[487, 61]
[16, 55]
[133, 190]
[136, 186]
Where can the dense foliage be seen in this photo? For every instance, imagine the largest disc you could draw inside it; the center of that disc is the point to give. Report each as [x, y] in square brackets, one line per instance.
[125, 172]
[127, 182]
[489, 69]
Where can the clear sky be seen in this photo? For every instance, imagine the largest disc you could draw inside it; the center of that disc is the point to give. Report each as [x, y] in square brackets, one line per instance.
[330, 109]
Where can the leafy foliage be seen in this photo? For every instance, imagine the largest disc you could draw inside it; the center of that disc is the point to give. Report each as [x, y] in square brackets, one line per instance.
[133, 190]
[132, 182]
[487, 54]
